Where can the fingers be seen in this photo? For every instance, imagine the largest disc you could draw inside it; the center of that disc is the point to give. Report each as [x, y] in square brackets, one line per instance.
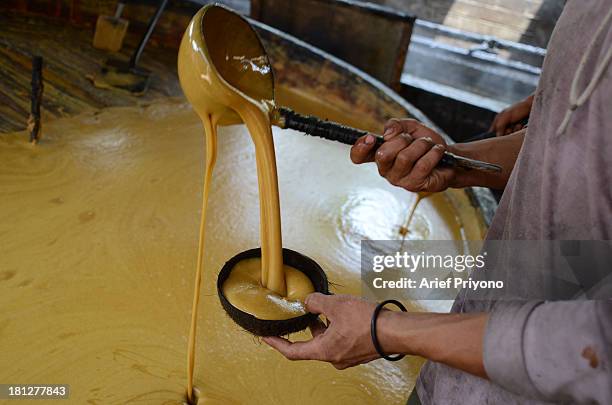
[501, 122]
[310, 350]
[363, 150]
[342, 366]
[508, 128]
[392, 128]
[502, 125]
[295, 350]
[346, 342]
[423, 177]
[407, 142]
[508, 120]
[407, 157]
[429, 160]
[397, 126]
[494, 124]
[388, 151]
[415, 167]
[318, 303]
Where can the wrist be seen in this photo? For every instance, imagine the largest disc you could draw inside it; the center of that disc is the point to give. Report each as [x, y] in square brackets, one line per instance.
[463, 178]
[487, 150]
[453, 339]
[396, 333]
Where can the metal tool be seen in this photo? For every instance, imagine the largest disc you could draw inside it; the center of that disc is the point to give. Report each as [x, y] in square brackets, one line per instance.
[286, 118]
[129, 76]
[199, 58]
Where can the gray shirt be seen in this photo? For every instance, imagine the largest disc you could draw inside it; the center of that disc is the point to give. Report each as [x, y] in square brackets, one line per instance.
[553, 349]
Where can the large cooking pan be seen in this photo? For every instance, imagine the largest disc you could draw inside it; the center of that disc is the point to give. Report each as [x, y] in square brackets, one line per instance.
[117, 214]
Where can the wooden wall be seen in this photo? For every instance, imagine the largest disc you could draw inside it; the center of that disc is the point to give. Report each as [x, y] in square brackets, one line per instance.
[526, 21]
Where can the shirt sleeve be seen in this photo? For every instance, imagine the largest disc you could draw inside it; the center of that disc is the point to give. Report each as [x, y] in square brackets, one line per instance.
[552, 351]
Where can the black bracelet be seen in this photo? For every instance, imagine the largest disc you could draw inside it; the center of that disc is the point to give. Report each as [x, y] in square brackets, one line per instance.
[379, 308]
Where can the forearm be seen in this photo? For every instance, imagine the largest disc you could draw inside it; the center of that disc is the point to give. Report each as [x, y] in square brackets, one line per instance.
[502, 151]
[453, 339]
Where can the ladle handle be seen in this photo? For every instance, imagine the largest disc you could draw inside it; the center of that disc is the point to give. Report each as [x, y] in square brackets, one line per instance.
[334, 131]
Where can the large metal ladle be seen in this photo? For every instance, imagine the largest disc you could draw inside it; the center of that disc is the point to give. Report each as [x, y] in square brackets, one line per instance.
[223, 63]
[225, 74]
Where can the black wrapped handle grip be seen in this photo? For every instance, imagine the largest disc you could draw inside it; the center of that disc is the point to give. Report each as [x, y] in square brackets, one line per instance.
[334, 131]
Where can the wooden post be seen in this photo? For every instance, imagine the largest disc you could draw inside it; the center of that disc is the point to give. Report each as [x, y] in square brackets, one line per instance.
[36, 99]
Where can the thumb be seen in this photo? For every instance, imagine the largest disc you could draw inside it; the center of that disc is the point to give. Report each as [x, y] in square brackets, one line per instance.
[406, 125]
[362, 150]
[318, 303]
